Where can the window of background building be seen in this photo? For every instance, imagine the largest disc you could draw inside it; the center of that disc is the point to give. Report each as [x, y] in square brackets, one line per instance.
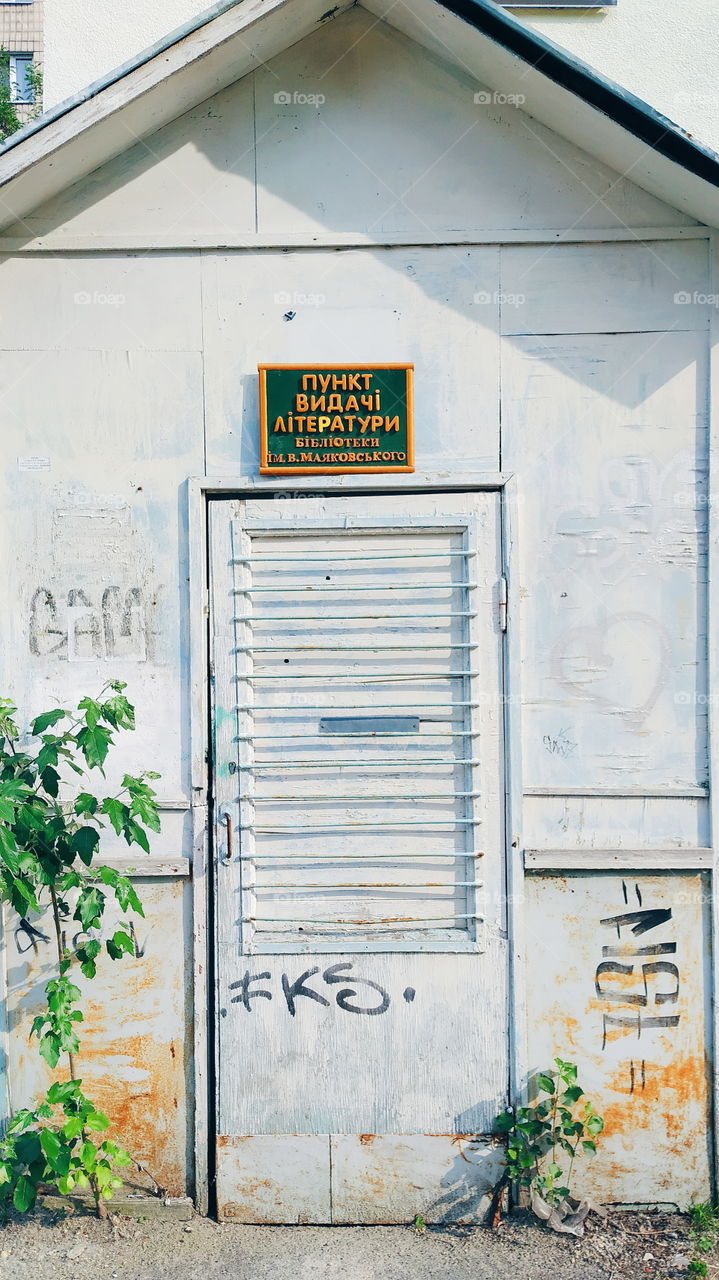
[17, 72]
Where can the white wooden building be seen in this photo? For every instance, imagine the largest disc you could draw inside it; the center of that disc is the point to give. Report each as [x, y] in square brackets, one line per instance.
[453, 814]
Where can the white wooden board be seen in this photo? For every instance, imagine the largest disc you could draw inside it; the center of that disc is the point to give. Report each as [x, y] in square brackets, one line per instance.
[617, 983]
[606, 435]
[606, 288]
[457, 155]
[364, 307]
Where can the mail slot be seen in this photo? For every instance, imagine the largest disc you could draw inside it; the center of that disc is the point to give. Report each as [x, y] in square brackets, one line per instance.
[369, 724]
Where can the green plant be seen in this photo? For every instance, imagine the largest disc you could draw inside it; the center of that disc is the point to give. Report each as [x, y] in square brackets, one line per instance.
[703, 1233]
[9, 119]
[35, 79]
[560, 1123]
[48, 845]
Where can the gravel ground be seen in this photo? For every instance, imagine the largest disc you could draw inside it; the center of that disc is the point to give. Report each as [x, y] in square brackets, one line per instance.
[628, 1246]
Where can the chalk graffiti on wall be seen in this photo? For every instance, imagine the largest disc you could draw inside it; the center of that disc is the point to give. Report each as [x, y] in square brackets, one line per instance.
[28, 936]
[590, 662]
[107, 624]
[349, 999]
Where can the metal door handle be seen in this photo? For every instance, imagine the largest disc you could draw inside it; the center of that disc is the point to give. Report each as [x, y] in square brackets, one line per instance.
[227, 819]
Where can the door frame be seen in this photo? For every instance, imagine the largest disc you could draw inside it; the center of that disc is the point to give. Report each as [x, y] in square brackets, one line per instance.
[200, 492]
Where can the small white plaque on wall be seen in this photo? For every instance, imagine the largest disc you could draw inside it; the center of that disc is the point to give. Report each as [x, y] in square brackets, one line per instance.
[34, 463]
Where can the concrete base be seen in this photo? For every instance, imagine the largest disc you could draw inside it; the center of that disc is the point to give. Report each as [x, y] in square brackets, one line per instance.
[135, 1204]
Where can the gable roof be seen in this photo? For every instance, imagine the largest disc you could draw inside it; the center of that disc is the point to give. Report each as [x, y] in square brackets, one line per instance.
[234, 37]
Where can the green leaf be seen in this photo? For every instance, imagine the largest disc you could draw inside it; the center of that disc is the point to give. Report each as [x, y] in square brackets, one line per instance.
[47, 754]
[22, 897]
[97, 1121]
[86, 954]
[90, 906]
[50, 1049]
[124, 890]
[134, 834]
[145, 808]
[50, 779]
[117, 812]
[8, 808]
[8, 848]
[588, 1145]
[92, 711]
[27, 1146]
[24, 1195]
[63, 1090]
[72, 1127]
[50, 1144]
[595, 1124]
[84, 842]
[85, 804]
[572, 1094]
[47, 720]
[88, 1154]
[120, 944]
[545, 1083]
[119, 713]
[504, 1122]
[94, 743]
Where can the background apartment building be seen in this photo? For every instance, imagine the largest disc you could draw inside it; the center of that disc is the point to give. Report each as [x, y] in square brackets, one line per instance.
[21, 35]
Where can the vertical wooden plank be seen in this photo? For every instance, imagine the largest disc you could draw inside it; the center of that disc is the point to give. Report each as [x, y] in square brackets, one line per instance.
[606, 434]
[713, 674]
[224, 750]
[514, 800]
[5, 1103]
[199, 782]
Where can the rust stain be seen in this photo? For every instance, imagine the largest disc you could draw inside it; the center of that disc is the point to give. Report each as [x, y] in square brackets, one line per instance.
[367, 1138]
[142, 1111]
[671, 1088]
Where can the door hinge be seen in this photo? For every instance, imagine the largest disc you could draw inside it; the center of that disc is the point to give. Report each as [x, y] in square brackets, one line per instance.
[502, 604]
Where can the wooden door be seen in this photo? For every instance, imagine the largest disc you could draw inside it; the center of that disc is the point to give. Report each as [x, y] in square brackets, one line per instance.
[361, 953]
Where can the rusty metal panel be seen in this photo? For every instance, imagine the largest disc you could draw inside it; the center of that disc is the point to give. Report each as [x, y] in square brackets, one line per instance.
[380, 1178]
[135, 1045]
[277, 1177]
[617, 982]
